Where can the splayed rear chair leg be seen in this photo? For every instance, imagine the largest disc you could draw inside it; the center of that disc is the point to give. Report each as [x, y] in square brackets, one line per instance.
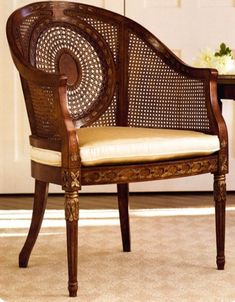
[123, 192]
[40, 200]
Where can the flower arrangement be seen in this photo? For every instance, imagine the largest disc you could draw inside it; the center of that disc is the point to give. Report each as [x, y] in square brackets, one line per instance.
[222, 60]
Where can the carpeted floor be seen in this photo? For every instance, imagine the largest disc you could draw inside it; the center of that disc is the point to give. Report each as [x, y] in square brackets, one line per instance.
[172, 258]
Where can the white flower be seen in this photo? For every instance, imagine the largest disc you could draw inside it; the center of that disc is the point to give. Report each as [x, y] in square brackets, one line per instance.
[224, 64]
[205, 58]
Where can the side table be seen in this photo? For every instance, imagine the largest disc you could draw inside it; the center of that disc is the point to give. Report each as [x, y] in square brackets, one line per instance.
[226, 87]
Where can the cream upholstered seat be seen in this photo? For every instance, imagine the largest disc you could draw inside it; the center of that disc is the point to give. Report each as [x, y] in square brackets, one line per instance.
[116, 145]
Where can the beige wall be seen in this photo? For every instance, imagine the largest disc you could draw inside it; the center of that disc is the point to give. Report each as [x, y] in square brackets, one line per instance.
[185, 26]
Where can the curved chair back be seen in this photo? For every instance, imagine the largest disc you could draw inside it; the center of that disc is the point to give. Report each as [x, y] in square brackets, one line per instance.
[108, 60]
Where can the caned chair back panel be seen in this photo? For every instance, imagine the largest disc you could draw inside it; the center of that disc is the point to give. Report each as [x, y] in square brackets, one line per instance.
[83, 56]
[118, 73]
[159, 97]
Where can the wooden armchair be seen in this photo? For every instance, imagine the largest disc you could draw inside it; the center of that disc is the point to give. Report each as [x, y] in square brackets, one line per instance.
[107, 102]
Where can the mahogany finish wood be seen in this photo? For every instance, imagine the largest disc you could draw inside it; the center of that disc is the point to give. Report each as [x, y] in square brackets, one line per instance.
[71, 216]
[84, 66]
[220, 200]
[39, 206]
[226, 86]
[123, 191]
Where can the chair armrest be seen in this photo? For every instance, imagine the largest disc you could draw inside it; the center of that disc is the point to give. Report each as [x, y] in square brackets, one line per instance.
[209, 77]
[70, 144]
[50, 120]
[164, 92]
[217, 124]
[216, 120]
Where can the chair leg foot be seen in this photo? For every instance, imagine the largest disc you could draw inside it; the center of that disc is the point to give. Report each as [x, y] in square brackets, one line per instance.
[73, 288]
[123, 193]
[40, 199]
[220, 204]
[71, 216]
[23, 261]
[220, 261]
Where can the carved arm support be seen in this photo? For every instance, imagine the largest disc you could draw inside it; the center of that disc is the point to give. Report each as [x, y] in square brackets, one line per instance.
[65, 129]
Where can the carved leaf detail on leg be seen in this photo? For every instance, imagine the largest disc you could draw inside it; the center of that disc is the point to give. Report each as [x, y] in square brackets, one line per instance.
[71, 206]
[220, 188]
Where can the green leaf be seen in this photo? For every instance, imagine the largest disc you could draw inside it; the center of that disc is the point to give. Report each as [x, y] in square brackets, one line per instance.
[223, 51]
[222, 47]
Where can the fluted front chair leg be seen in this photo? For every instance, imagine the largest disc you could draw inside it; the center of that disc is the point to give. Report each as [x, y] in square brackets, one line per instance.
[71, 216]
[40, 200]
[220, 202]
[123, 205]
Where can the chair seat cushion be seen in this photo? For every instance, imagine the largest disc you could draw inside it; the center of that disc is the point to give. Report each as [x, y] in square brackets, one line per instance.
[122, 145]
